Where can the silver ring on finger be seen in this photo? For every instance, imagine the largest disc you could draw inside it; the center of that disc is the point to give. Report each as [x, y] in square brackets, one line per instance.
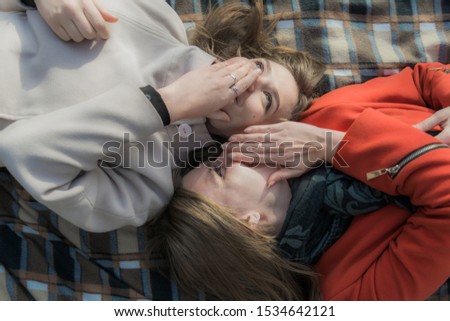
[235, 89]
[234, 78]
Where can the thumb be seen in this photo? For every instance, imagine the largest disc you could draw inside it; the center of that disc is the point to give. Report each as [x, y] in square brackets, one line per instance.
[283, 174]
[428, 123]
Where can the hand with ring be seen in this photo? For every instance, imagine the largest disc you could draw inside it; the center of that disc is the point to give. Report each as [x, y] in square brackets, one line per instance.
[206, 90]
[233, 86]
[293, 147]
[234, 79]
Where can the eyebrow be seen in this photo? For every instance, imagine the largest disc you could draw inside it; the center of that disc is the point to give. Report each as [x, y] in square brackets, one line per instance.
[275, 91]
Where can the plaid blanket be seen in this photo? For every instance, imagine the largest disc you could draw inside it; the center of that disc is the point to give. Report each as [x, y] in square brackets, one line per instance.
[357, 39]
[43, 257]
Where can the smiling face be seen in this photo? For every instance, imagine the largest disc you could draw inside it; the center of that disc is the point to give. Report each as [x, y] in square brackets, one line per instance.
[243, 190]
[272, 97]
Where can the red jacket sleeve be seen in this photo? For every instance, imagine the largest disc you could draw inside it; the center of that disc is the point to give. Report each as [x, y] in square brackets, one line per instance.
[402, 96]
[432, 81]
[399, 256]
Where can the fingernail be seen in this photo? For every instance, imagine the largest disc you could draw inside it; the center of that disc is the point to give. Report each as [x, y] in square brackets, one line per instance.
[270, 183]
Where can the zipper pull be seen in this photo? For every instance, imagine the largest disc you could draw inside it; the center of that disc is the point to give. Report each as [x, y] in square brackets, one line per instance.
[393, 171]
[380, 172]
[444, 69]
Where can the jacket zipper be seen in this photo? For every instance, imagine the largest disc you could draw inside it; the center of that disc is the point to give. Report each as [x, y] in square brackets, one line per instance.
[394, 170]
[444, 69]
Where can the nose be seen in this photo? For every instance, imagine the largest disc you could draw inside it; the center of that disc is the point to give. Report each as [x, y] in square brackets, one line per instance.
[252, 87]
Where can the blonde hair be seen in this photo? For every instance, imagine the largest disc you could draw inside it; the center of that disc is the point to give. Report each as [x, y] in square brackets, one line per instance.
[235, 29]
[207, 249]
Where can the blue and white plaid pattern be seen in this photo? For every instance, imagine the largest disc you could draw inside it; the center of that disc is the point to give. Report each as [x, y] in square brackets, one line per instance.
[43, 257]
[357, 39]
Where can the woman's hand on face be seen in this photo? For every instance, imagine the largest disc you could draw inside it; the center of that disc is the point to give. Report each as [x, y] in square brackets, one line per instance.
[292, 146]
[439, 118]
[204, 91]
[76, 19]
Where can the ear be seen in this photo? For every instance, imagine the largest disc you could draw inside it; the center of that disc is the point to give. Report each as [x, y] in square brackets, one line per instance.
[252, 219]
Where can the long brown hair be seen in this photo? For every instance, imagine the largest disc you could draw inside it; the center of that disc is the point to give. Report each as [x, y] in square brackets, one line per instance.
[236, 29]
[209, 250]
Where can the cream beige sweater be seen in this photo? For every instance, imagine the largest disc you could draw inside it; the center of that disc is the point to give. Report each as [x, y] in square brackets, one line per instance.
[61, 104]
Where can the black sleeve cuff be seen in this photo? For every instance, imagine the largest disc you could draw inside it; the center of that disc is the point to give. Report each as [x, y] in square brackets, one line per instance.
[155, 98]
[28, 3]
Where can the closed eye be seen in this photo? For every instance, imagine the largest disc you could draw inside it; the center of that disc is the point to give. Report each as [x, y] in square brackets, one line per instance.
[216, 166]
[218, 170]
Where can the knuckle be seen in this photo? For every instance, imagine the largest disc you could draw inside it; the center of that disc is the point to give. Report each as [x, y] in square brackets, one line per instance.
[69, 7]
[90, 36]
[99, 25]
[64, 37]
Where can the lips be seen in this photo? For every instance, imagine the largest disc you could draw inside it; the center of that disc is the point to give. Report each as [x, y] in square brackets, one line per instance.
[227, 115]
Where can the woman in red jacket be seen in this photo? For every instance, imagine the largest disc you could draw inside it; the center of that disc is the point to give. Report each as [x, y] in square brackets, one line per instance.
[390, 254]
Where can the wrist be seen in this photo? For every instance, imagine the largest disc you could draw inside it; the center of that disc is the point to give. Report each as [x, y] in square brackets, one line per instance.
[158, 103]
[175, 111]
